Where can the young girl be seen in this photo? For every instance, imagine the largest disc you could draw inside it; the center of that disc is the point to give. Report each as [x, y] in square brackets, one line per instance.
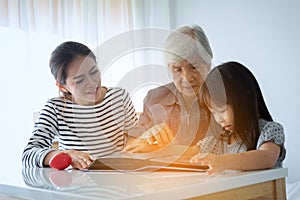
[251, 139]
[89, 120]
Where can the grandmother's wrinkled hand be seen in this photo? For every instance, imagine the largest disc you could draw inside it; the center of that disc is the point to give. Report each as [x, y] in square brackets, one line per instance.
[159, 134]
[140, 145]
[153, 139]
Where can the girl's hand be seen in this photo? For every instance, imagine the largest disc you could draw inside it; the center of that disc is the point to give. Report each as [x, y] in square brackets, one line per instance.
[214, 162]
[80, 160]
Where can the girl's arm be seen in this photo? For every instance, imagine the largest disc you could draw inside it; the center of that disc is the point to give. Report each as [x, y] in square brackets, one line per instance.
[263, 158]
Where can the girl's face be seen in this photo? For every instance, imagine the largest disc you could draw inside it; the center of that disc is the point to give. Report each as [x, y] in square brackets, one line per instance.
[84, 81]
[223, 116]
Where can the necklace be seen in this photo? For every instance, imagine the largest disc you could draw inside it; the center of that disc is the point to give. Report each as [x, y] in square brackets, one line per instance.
[224, 139]
[225, 135]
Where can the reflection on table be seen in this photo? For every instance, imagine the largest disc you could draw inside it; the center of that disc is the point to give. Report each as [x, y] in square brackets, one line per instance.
[82, 184]
[47, 183]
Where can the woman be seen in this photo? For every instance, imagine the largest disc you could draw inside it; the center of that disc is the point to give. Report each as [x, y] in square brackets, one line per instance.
[88, 119]
[171, 112]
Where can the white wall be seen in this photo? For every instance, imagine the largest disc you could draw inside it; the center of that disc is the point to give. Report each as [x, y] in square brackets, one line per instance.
[265, 36]
[25, 85]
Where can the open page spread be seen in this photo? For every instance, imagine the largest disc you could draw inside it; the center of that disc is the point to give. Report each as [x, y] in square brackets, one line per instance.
[156, 161]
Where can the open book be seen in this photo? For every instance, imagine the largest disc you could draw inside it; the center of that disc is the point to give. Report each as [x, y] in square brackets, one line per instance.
[157, 161]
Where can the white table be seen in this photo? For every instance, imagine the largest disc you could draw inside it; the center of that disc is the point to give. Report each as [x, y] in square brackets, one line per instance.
[46, 183]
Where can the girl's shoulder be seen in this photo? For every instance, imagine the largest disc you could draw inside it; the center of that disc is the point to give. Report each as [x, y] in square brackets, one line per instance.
[271, 131]
[265, 125]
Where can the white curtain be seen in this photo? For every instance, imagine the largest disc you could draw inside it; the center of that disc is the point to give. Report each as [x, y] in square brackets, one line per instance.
[31, 29]
[29, 32]
[90, 21]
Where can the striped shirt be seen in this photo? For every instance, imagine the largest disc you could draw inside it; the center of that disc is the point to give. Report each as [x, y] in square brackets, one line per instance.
[97, 129]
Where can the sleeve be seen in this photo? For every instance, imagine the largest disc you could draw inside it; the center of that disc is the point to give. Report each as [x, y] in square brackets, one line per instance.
[39, 145]
[208, 145]
[273, 131]
[130, 114]
[145, 119]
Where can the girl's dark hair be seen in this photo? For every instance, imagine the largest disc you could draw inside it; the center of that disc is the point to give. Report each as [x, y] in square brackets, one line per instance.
[233, 84]
[63, 55]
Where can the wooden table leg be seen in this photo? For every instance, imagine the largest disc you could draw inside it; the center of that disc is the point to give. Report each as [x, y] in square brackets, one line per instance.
[269, 190]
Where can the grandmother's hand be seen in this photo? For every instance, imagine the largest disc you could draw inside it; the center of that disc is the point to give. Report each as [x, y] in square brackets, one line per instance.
[153, 139]
[159, 134]
[139, 145]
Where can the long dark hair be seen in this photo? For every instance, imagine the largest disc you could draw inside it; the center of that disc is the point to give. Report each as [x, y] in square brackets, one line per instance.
[233, 84]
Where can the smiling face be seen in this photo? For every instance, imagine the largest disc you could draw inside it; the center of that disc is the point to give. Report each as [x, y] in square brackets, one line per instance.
[223, 116]
[188, 77]
[83, 80]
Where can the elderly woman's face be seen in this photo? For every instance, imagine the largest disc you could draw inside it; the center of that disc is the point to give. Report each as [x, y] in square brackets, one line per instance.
[188, 77]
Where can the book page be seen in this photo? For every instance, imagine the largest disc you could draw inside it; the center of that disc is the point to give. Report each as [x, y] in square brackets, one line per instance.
[168, 159]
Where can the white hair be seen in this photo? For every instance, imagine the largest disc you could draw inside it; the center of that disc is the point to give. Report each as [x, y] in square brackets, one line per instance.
[188, 42]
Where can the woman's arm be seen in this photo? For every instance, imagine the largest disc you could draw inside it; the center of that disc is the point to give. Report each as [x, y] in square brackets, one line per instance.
[40, 142]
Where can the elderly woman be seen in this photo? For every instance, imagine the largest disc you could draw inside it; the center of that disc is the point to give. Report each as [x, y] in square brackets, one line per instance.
[171, 113]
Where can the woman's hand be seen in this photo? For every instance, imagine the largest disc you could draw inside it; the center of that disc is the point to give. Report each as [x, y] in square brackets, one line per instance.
[214, 162]
[80, 160]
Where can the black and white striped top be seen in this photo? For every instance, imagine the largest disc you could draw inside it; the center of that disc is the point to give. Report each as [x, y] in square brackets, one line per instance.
[96, 129]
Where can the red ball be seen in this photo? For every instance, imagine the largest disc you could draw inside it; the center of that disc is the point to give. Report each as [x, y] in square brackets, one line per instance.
[60, 161]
